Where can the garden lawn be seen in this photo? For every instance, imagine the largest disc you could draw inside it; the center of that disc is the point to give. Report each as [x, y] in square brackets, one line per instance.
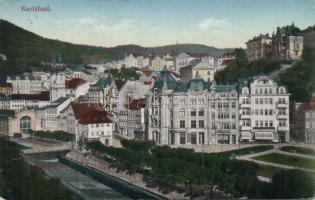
[267, 171]
[299, 150]
[295, 161]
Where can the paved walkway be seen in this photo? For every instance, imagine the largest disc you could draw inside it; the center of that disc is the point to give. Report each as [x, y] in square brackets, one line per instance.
[251, 156]
[36, 145]
[80, 184]
[135, 179]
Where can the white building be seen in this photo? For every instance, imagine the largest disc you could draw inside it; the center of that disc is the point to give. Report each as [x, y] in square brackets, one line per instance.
[131, 61]
[50, 117]
[264, 111]
[157, 63]
[225, 59]
[91, 122]
[23, 101]
[200, 69]
[182, 60]
[25, 84]
[192, 113]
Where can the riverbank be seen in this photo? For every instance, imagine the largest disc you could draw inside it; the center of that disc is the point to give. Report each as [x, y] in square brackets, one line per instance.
[134, 179]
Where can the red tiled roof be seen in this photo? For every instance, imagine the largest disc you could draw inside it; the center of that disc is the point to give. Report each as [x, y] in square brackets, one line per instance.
[226, 62]
[228, 54]
[43, 96]
[74, 83]
[148, 73]
[310, 105]
[88, 113]
[119, 83]
[135, 104]
[5, 84]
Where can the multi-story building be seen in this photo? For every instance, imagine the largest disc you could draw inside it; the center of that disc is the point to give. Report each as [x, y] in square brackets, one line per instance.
[197, 69]
[157, 63]
[182, 60]
[91, 122]
[131, 61]
[23, 101]
[259, 47]
[225, 59]
[131, 121]
[309, 112]
[132, 89]
[6, 89]
[50, 115]
[192, 113]
[264, 111]
[25, 84]
[287, 43]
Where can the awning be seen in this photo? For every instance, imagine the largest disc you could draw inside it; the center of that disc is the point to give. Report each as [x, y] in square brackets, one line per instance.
[263, 135]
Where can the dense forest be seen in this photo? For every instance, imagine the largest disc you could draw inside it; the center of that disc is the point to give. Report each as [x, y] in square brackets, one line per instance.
[300, 79]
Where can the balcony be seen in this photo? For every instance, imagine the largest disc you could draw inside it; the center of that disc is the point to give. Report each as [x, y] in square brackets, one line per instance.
[245, 116]
[245, 105]
[282, 116]
[283, 128]
[282, 105]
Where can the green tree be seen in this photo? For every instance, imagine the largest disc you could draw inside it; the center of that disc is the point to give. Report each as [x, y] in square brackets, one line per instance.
[291, 184]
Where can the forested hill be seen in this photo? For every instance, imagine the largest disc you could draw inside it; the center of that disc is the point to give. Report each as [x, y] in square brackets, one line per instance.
[25, 49]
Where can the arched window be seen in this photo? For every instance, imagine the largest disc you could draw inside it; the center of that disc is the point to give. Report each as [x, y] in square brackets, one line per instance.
[270, 90]
[245, 90]
[281, 90]
[25, 124]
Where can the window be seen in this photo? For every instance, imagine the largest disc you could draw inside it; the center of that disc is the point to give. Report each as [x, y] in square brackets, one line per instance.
[201, 101]
[212, 104]
[182, 113]
[193, 138]
[201, 124]
[233, 115]
[193, 113]
[182, 123]
[270, 100]
[182, 139]
[193, 101]
[193, 123]
[208, 72]
[233, 104]
[201, 113]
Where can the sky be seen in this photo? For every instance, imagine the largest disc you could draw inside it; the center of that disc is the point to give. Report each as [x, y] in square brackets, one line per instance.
[219, 23]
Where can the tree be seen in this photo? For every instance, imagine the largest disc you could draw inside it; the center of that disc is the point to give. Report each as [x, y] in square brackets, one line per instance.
[292, 184]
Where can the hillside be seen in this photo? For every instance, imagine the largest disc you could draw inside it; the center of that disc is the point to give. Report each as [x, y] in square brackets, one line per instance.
[25, 49]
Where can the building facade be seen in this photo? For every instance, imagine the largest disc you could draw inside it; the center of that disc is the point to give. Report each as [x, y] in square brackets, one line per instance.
[264, 111]
[287, 44]
[192, 113]
[201, 69]
[259, 47]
